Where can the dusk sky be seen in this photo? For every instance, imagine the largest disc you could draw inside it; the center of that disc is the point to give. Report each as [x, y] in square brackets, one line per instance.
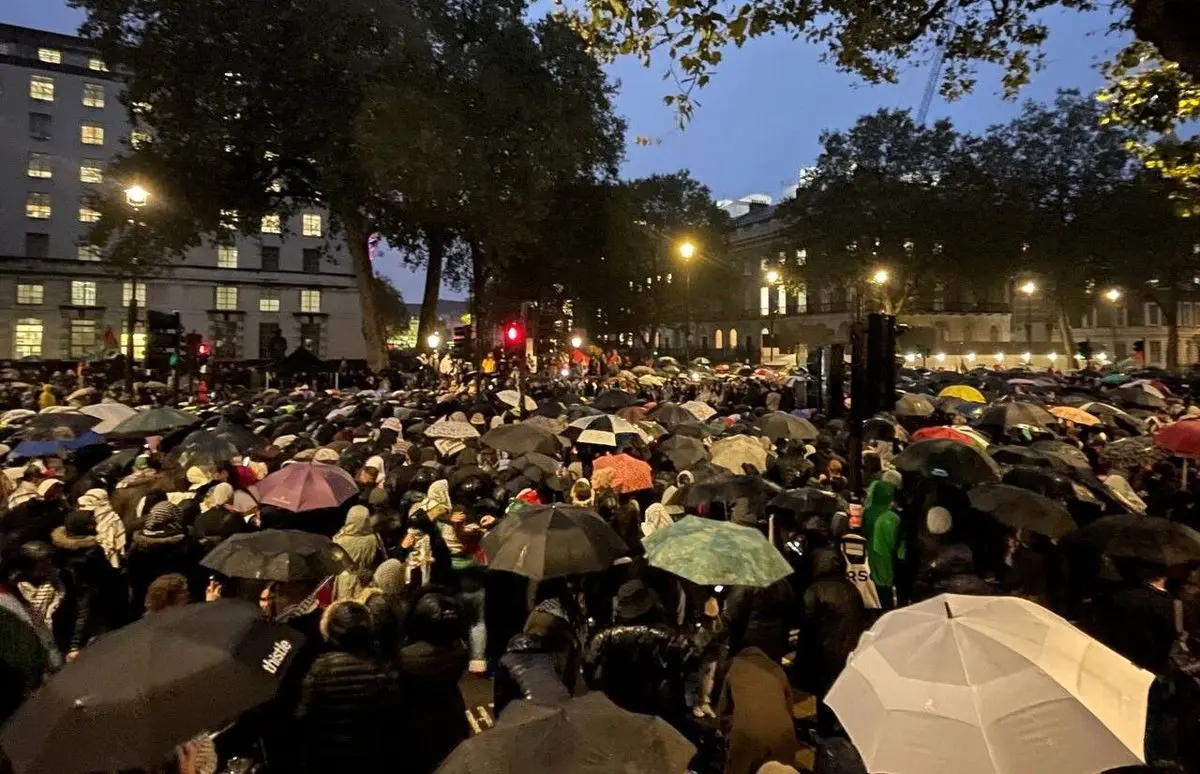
[758, 122]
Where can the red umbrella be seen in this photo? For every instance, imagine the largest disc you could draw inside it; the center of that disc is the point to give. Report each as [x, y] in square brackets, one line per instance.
[941, 431]
[629, 474]
[307, 486]
[1181, 438]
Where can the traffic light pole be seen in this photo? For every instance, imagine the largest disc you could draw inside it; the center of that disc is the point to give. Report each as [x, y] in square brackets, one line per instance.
[130, 328]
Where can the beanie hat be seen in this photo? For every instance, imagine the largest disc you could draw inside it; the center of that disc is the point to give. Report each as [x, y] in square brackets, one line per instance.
[892, 477]
[938, 520]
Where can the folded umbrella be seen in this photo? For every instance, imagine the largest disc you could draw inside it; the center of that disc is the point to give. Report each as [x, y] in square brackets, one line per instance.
[715, 553]
[1022, 509]
[307, 486]
[552, 541]
[989, 685]
[138, 692]
[276, 555]
[587, 735]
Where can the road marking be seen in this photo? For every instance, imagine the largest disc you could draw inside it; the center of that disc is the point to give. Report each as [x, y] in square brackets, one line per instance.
[480, 718]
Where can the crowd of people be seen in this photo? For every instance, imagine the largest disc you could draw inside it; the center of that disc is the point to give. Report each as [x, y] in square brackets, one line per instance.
[1064, 490]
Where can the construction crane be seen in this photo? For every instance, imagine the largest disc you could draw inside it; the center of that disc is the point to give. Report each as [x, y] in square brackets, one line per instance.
[935, 72]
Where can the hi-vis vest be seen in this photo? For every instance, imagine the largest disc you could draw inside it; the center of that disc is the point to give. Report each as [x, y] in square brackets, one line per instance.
[858, 569]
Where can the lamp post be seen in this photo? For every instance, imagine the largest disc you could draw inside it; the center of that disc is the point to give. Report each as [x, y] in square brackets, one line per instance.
[687, 251]
[880, 278]
[434, 341]
[136, 197]
[1029, 288]
[772, 305]
[1113, 295]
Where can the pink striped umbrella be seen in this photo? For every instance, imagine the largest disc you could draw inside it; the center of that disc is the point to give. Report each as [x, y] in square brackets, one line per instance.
[307, 486]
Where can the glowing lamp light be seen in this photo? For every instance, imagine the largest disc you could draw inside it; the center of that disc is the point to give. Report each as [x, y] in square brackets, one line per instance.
[940, 357]
[1102, 356]
[1026, 357]
[434, 341]
[1052, 356]
[999, 357]
[970, 357]
[910, 357]
[202, 349]
[565, 372]
[512, 333]
[576, 342]
[880, 277]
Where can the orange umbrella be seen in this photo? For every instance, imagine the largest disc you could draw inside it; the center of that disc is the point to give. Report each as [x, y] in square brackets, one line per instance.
[629, 474]
[1072, 414]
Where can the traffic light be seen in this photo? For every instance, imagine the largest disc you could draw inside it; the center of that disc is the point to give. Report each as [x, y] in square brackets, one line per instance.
[460, 342]
[514, 335]
[164, 338]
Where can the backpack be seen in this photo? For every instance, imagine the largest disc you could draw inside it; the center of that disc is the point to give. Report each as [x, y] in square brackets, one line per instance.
[858, 569]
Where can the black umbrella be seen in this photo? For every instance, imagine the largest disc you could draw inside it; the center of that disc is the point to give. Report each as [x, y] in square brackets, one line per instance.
[945, 459]
[1023, 455]
[243, 439]
[806, 501]
[778, 425]
[1022, 509]
[545, 463]
[727, 488]
[276, 555]
[1071, 456]
[57, 425]
[1001, 416]
[682, 451]
[551, 541]
[913, 405]
[612, 400]
[157, 421]
[137, 693]
[669, 414]
[521, 439]
[1136, 397]
[204, 447]
[1144, 538]
[586, 735]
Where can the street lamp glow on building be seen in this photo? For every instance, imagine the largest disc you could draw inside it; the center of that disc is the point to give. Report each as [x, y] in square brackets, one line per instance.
[772, 277]
[136, 196]
[1113, 295]
[1029, 288]
[1052, 356]
[881, 277]
[687, 250]
[999, 357]
[576, 342]
[1026, 357]
[910, 357]
[940, 357]
[434, 341]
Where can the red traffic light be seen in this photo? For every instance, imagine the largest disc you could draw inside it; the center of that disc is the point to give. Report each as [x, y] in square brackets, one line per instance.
[202, 349]
[513, 333]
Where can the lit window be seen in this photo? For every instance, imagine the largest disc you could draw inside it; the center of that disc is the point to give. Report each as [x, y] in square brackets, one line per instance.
[83, 293]
[227, 257]
[91, 171]
[271, 224]
[764, 300]
[50, 55]
[781, 301]
[91, 133]
[27, 338]
[229, 219]
[311, 225]
[37, 206]
[87, 211]
[39, 166]
[127, 288]
[97, 64]
[310, 301]
[139, 340]
[268, 300]
[83, 337]
[138, 138]
[225, 297]
[41, 88]
[88, 253]
[32, 293]
[93, 95]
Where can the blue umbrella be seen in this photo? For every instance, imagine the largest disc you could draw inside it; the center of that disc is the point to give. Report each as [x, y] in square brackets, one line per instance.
[31, 449]
[1115, 379]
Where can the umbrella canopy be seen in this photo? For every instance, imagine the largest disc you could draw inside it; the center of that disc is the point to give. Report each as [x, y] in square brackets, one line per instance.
[604, 430]
[546, 464]
[806, 501]
[521, 439]
[1137, 398]
[109, 414]
[699, 409]
[913, 405]
[629, 474]
[1127, 453]
[682, 451]
[634, 414]
[963, 392]
[778, 425]
[669, 414]
[961, 435]
[552, 541]
[1022, 509]
[59, 425]
[1144, 538]
[1010, 414]
[736, 451]
[32, 449]
[204, 447]
[1070, 455]
[989, 685]
[455, 429]
[612, 400]
[716, 553]
[276, 555]
[157, 421]
[307, 486]
[1180, 438]
[1113, 416]
[1076, 415]
[950, 460]
[513, 398]
[587, 735]
[138, 692]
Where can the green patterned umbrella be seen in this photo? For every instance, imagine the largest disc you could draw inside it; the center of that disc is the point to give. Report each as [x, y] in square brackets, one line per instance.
[715, 553]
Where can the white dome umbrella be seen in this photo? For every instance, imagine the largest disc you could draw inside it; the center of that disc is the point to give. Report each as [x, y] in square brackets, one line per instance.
[109, 414]
[699, 409]
[989, 685]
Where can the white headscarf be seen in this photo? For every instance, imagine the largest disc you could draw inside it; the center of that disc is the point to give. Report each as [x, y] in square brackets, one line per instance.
[110, 530]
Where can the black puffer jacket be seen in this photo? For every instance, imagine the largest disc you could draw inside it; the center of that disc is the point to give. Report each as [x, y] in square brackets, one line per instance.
[641, 668]
[152, 557]
[91, 586]
[834, 618]
[349, 708]
[435, 716]
[528, 671]
[760, 618]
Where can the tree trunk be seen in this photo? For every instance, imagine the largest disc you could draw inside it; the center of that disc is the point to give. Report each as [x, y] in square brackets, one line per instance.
[1170, 313]
[1064, 331]
[436, 243]
[479, 316]
[364, 278]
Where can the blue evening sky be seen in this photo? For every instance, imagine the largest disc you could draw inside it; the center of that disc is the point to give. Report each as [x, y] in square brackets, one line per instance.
[758, 122]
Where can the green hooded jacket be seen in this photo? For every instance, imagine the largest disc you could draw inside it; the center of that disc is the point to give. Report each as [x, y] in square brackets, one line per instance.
[881, 526]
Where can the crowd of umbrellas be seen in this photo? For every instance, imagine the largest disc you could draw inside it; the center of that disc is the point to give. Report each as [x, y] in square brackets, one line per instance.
[962, 684]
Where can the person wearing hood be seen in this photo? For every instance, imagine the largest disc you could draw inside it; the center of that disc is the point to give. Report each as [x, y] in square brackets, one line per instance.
[363, 551]
[833, 618]
[349, 699]
[27, 488]
[218, 519]
[756, 710]
[131, 490]
[582, 495]
[36, 517]
[885, 541]
[432, 664]
[90, 582]
[162, 546]
[47, 398]
[109, 528]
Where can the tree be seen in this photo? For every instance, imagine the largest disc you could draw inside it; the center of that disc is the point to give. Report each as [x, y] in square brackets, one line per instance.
[390, 308]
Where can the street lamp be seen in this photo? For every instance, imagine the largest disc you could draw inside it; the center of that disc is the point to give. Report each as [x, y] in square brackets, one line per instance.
[687, 251]
[1113, 295]
[1029, 288]
[434, 341]
[576, 341]
[136, 197]
[772, 305]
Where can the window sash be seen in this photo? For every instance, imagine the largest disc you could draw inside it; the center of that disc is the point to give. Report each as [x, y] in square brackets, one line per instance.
[310, 301]
[311, 225]
[88, 253]
[83, 293]
[50, 55]
[91, 171]
[83, 337]
[141, 293]
[38, 166]
[227, 257]
[41, 88]
[31, 293]
[91, 133]
[271, 224]
[37, 206]
[225, 297]
[93, 95]
[268, 300]
[27, 338]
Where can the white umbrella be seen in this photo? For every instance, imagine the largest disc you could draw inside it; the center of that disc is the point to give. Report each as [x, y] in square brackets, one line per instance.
[510, 398]
[989, 685]
[446, 428]
[700, 410]
[109, 414]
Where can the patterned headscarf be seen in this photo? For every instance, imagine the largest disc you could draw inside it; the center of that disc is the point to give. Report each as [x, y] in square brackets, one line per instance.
[165, 521]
